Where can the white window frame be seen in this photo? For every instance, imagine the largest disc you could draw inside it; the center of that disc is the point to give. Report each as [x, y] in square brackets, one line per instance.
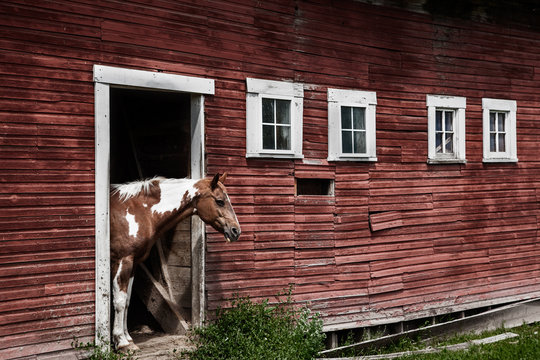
[351, 98]
[257, 89]
[510, 108]
[458, 105]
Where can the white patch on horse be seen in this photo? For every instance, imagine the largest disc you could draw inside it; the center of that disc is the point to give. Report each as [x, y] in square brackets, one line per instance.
[133, 225]
[172, 194]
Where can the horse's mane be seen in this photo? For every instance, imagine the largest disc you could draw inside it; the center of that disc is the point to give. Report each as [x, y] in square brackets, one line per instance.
[135, 188]
[132, 189]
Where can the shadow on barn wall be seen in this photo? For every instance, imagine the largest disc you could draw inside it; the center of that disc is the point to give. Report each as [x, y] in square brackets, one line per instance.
[504, 12]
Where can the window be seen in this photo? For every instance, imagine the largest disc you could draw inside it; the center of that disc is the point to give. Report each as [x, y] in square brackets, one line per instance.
[446, 129]
[276, 124]
[274, 119]
[351, 125]
[497, 131]
[499, 124]
[353, 130]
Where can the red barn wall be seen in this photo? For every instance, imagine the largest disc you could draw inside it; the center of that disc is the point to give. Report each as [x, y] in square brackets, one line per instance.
[449, 237]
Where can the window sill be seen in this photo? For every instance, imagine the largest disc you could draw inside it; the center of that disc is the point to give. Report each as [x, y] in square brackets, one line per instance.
[446, 161]
[273, 156]
[359, 158]
[500, 160]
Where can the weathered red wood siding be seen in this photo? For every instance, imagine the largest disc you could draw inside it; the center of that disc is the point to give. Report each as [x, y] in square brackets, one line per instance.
[445, 237]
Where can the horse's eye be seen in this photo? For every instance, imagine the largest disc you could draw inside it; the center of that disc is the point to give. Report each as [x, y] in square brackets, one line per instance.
[220, 202]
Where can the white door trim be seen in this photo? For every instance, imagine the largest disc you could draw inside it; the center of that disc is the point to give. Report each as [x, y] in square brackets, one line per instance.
[104, 78]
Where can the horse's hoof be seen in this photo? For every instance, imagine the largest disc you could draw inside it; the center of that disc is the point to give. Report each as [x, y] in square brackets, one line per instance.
[131, 347]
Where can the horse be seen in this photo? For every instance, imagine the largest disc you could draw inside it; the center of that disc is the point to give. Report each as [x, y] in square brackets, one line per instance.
[140, 212]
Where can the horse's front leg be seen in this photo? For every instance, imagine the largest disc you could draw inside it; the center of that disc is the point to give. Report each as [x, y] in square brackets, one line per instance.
[121, 285]
[129, 291]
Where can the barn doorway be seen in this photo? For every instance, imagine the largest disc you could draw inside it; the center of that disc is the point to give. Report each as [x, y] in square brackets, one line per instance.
[125, 153]
[151, 136]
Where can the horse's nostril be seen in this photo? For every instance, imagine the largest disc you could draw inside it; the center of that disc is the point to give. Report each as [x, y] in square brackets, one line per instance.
[235, 231]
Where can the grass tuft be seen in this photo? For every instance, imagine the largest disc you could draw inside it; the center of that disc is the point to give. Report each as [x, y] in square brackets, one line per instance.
[92, 351]
[524, 347]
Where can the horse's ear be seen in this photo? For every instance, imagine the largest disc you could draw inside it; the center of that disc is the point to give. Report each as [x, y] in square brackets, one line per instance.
[223, 177]
[213, 183]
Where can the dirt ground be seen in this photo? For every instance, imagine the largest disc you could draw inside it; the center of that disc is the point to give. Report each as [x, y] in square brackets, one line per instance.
[159, 346]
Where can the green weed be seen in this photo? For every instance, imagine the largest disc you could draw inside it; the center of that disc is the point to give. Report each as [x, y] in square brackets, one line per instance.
[254, 331]
[92, 351]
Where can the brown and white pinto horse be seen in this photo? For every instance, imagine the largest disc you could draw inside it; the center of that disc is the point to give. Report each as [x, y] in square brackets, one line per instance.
[140, 212]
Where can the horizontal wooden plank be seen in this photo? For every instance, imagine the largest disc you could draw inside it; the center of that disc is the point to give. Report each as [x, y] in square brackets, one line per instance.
[49, 350]
[45, 256]
[81, 326]
[17, 320]
[40, 291]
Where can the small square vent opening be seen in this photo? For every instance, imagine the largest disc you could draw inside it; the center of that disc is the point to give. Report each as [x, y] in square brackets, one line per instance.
[323, 187]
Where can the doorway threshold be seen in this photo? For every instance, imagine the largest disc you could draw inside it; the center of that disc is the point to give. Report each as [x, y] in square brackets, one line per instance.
[160, 346]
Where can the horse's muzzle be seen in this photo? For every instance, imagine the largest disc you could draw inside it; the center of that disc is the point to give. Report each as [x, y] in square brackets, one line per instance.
[232, 233]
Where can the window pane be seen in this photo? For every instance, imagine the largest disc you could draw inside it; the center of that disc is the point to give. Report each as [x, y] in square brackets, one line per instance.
[283, 111]
[283, 137]
[438, 120]
[346, 117]
[268, 137]
[502, 143]
[359, 120]
[501, 121]
[346, 142]
[268, 110]
[493, 142]
[448, 120]
[438, 142]
[360, 142]
[449, 143]
[492, 116]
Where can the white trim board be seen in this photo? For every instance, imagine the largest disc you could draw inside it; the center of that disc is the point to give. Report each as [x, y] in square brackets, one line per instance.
[104, 78]
[152, 80]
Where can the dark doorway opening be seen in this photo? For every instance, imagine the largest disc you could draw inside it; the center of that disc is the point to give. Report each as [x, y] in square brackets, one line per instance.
[151, 136]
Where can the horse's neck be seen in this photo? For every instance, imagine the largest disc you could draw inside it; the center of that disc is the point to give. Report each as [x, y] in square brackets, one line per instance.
[173, 202]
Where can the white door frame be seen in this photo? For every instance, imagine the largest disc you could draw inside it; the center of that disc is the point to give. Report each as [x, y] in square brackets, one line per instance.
[104, 78]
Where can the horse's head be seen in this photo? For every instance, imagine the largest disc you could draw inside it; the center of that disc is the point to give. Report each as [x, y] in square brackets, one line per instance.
[215, 209]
